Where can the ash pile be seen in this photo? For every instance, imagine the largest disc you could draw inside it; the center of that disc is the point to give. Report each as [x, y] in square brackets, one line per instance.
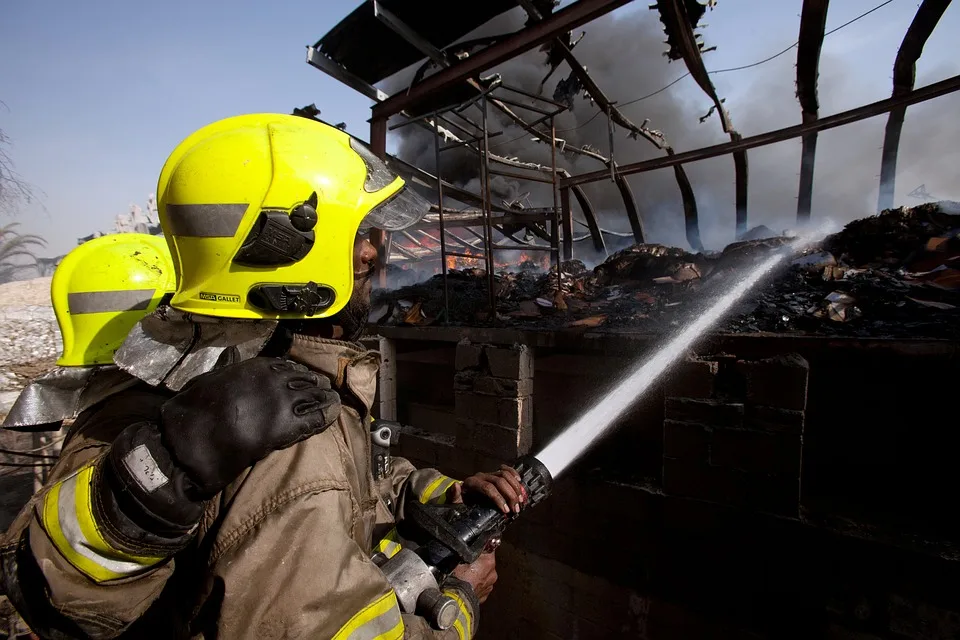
[893, 275]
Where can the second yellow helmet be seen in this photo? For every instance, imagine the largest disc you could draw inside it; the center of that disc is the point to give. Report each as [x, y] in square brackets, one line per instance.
[261, 213]
[102, 288]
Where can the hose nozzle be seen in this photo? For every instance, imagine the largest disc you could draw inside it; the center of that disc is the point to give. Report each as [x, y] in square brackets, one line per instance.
[535, 477]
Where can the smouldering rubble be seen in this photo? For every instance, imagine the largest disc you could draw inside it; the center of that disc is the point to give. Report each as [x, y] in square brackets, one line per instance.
[892, 275]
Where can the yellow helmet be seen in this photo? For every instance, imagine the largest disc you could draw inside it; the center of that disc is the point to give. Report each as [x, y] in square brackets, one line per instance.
[102, 288]
[261, 213]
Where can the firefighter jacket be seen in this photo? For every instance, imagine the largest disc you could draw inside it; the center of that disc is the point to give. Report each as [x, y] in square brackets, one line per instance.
[282, 552]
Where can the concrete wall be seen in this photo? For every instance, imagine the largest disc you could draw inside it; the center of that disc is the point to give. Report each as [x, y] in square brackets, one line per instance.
[733, 502]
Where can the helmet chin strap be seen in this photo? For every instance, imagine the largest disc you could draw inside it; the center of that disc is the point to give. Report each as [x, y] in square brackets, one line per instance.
[352, 319]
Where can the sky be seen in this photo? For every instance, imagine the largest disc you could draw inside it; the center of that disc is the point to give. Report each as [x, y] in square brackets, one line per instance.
[97, 94]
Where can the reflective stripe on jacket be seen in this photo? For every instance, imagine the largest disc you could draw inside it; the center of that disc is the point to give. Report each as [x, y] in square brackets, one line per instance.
[283, 552]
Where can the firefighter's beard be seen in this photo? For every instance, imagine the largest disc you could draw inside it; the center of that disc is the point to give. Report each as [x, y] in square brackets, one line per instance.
[352, 319]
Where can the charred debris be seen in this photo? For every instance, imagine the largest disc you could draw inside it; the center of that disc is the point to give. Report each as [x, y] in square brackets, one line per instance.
[896, 274]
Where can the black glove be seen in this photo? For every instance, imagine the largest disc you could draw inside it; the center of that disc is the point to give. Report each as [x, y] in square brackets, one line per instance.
[220, 424]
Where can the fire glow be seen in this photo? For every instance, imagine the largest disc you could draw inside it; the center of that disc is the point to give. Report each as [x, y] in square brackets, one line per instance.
[503, 260]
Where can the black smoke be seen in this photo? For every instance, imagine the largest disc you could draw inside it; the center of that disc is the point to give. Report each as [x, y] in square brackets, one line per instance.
[623, 52]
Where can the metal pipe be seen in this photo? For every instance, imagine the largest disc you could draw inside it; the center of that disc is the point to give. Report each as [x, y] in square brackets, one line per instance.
[516, 103]
[567, 217]
[555, 233]
[378, 237]
[487, 226]
[443, 242]
[611, 163]
[518, 176]
[923, 94]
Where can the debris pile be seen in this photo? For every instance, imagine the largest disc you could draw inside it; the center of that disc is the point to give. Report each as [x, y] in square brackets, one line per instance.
[896, 274]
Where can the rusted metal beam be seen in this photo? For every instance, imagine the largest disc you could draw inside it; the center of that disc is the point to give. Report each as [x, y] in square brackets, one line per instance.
[813, 24]
[904, 75]
[916, 96]
[691, 217]
[571, 17]
[633, 213]
[679, 27]
[591, 217]
[614, 116]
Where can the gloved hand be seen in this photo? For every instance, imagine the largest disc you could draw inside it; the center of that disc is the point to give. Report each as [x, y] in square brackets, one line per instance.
[220, 424]
[227, 419]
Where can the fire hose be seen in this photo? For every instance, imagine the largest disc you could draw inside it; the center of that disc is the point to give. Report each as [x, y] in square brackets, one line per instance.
[447, 536]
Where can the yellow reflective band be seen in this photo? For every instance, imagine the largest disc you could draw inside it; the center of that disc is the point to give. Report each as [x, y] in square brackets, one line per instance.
[464, 622]
[390, 544]
[380, 620]
[67, 517]
[437, 488]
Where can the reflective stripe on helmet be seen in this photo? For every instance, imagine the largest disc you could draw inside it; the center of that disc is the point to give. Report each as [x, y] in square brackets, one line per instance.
[390, 544]
[464, 622]
[436, 491]
[106, 301]
[67, 516]
[379, 620]
[204, 220]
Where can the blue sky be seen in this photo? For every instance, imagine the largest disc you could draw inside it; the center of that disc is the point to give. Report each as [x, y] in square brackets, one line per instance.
[99, 93]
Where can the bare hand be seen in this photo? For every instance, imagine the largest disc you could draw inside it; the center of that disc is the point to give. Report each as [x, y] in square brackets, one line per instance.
[481, 575]
[503, 487]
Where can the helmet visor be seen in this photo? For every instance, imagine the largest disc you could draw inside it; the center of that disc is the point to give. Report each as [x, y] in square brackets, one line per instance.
[402, 209]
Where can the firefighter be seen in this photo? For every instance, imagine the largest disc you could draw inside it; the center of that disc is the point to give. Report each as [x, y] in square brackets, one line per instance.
[230, 493]
[99, 291]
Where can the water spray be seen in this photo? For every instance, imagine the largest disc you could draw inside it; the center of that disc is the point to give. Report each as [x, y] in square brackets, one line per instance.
[449, 535]
[574, 441]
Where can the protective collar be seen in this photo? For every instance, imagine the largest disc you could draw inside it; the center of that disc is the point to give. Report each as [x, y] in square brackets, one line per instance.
[62, 394]
[170, 347]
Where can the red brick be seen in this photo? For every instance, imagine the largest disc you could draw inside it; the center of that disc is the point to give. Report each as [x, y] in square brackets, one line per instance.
[686, 440]
[499, 442]
[468, 355]
[777, 382]
[514, 362]
[692, 378]
[773, 419]
[712, 413]
[756, 451]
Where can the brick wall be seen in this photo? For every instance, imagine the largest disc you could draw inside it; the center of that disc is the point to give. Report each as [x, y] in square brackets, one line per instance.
[733, 432]
[609, 558]
[494, 404]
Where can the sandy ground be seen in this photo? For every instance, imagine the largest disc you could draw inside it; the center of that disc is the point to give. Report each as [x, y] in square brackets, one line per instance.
[26, 293]
[29, 336]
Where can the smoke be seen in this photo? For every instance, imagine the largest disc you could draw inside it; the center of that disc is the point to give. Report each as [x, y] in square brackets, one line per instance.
[623, 53]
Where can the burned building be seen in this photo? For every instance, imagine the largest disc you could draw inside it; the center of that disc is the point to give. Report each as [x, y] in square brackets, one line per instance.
[792, 477]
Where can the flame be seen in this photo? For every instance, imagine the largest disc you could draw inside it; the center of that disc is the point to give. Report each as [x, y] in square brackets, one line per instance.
[503, 260]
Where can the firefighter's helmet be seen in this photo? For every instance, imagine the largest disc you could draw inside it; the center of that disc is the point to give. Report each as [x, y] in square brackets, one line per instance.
[261, 213]
[102, 288]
